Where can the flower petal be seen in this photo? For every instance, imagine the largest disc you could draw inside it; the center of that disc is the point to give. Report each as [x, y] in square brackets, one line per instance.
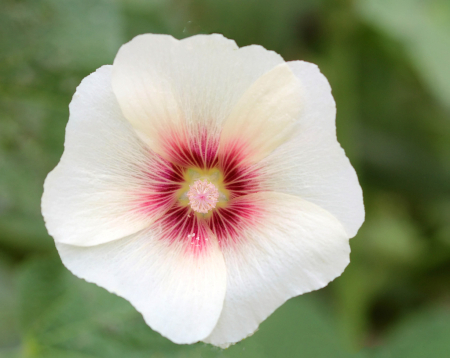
[108, 184]
[312, 164]
[176, 91]
[178, 291]
[263, 118]
[296, 248]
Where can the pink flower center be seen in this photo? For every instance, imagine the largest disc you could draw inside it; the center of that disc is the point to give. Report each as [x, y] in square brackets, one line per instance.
[203, 196]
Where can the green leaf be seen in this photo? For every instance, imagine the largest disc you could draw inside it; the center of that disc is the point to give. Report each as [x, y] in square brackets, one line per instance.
[424, 334]
[274, 28]
[423, 28]
[11, 354]
[9, 335]
[28, 151]
[62, 316]
[61, 34]
[299, 328]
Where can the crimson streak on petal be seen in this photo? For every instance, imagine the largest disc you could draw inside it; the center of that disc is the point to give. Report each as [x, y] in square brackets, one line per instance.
[181, 223]
[240, 176]
[229, 223]
[192, 150]
[163, 179]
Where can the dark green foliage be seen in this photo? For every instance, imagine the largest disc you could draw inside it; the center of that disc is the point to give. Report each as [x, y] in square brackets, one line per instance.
[388, 64]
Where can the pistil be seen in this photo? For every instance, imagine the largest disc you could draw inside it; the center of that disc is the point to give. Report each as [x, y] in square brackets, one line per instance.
[203, 196]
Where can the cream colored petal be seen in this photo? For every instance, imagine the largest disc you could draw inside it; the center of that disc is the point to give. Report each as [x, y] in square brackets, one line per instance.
[293, 248]
[178, 91]
[263, 118]
[106, 185]
[312, 165]
[179, 292]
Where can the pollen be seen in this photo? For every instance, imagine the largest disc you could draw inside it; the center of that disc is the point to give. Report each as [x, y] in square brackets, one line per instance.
[203, 196]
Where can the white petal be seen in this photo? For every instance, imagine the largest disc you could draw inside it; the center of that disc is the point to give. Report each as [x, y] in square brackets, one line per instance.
[170, 89]
[296, 247]
[264, 116]
[179, 294]
[98, 190]
[312, 164]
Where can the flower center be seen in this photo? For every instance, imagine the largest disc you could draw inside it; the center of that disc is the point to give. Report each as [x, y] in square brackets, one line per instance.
[203, 196]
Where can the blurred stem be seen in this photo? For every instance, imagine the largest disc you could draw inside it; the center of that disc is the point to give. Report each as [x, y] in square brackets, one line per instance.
[354, 290]
[342, 70]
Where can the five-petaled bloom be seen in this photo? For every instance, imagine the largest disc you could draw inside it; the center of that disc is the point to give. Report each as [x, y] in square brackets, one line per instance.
[204, 183]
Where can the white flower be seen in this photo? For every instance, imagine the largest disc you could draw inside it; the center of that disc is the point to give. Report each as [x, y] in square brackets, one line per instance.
[204, 183]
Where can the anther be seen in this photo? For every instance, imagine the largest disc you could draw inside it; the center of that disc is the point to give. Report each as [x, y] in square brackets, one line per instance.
[203, 196]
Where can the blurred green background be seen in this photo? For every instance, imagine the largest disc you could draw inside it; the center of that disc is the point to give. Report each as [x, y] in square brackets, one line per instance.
[388, 62]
